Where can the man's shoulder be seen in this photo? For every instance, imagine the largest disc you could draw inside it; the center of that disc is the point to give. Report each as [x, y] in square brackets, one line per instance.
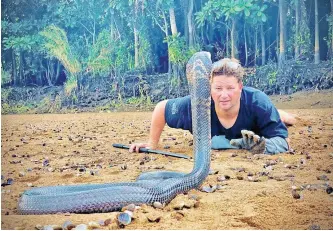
[255, 98]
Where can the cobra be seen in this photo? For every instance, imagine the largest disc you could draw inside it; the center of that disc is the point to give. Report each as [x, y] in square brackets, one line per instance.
[149, 187]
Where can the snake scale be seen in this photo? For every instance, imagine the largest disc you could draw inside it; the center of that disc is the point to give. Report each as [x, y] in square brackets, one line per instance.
[149, 187]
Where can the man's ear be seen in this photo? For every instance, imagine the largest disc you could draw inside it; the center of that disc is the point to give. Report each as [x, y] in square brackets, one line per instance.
[240, 85]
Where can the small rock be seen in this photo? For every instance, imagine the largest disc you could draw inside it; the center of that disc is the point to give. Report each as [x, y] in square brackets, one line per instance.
[314, 227]
[124, 218]
[48, 227]
[240, 177]
[39, 227]
[208, 189]
[193, 197]
[66, 225]
[107, 221]
[322, 177]
[93, 225]
[166, 147]
[130, 207]
[295, 194]
[213, 172]
[81, 227]
[123, 166]
[223, 178]
[46, 163]
[158, 205]
[329, 190]
[21, 174]
[154, 217]
[29, 184]
[234, 155]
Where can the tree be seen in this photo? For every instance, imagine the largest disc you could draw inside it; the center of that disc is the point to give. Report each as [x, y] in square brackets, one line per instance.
[317, 51]
[282, 15]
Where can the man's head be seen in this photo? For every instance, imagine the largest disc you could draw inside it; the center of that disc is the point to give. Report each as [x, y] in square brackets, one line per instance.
[228, 67]
[226, 83]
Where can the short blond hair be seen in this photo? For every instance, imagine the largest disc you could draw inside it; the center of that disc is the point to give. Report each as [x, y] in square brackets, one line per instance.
[228, 67]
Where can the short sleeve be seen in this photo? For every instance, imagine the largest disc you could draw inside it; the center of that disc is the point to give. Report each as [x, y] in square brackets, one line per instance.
[178, 113]
[267, 117]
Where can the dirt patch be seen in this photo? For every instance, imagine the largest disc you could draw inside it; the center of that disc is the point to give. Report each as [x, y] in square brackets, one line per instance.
[54, 149]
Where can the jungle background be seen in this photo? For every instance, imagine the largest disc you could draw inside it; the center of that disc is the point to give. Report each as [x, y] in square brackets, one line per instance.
[108, 55]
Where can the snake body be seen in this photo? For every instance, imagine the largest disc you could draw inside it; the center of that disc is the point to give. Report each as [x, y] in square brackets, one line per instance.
[149, 187]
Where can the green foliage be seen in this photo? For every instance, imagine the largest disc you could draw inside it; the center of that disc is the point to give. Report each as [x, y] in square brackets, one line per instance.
[5, 77]
[70, 85]
[215, 10]
[18, 108]
[179, 53]
[56, 44]
[272, 78]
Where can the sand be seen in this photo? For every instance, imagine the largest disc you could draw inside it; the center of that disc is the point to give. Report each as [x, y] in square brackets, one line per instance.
[71, 142]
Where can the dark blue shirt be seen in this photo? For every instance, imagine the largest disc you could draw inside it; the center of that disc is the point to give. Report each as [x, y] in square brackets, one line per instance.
[257, 113]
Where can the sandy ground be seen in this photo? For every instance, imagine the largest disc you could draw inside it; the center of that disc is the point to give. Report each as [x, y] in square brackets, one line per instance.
[71, 142]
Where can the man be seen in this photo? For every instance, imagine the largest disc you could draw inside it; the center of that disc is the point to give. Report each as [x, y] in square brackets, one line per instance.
[241, 117]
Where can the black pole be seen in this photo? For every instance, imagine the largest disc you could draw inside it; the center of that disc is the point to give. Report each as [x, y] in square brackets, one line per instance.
[146, 150]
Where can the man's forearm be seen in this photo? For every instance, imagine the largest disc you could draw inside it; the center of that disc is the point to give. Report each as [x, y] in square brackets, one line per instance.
[157, 124]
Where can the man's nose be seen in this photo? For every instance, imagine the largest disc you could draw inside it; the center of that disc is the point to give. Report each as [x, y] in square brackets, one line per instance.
[223, 94]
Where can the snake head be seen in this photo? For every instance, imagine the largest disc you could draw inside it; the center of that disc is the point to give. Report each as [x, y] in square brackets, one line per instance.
[199, 66]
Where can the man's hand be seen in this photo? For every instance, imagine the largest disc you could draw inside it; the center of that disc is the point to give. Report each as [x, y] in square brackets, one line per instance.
[135, 147]
[250, 141]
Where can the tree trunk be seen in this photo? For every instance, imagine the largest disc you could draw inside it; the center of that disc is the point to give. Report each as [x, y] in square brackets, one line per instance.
[173, 24]
[316, 54]
[14, 71]
[297, 11]
[245, 45]
[256, 46]
[21, 71]
[227, 44]
[282, 55]
[331, 30]
[136, 38]
[136, 48]
[263, 45]
[190, 24]
[186, 27]
[234, 50]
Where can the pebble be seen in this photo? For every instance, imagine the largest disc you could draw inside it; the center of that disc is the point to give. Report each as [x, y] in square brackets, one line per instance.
[129, 213]
[93, 225]
[314, 227]
[67, 224]
[124, 218]
[329, 190]
[193, 197]
[107, 221]
[295, 194]
[208, 189]
[21, 174]
[39, 227]
[213, 172]
[223, 178]
[46, 163]
[154, 217]
[158, 205]
[322, 177]
[130, 207]
[123, 166]
[81, 227]
[29, 184]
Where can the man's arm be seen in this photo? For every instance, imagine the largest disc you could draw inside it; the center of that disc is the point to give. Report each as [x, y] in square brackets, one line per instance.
[156, 128]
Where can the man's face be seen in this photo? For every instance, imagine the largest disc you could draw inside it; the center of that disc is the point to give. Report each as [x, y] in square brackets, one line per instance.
[226, 91]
